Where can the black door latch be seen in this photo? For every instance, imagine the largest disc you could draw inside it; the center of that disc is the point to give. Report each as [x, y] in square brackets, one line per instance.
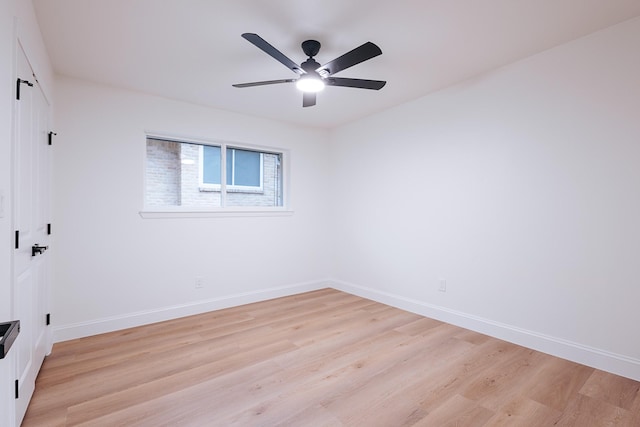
[37, 249]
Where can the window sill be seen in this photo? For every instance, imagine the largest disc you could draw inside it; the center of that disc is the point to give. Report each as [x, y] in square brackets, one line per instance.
[213, 213]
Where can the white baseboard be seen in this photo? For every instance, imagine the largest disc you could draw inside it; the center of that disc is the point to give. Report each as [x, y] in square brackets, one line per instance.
[129, 320]
[600, 359]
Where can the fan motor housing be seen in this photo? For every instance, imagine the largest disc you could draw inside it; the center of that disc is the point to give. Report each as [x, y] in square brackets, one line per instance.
[311, 47]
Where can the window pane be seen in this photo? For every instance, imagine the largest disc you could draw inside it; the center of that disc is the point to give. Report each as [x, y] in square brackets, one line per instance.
[162, 174]
[268, 192]
[173, 174]
[246, 168]
[211, 165]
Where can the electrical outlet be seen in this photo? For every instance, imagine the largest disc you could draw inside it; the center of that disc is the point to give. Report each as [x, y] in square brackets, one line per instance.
[199, 283]
[442, 285]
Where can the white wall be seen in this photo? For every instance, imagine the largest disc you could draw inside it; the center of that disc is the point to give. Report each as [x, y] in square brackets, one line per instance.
[521, 188]
[115, 269]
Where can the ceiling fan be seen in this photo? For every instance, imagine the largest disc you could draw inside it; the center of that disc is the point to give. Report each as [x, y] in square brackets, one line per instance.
[313, 77]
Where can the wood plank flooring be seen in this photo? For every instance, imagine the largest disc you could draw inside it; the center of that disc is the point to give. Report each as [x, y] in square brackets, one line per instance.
[323, 358]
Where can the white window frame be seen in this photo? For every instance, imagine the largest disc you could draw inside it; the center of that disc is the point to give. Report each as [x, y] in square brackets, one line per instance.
[224, 211]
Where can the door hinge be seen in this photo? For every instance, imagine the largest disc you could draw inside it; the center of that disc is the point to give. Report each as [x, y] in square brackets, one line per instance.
[49, 229]
[17, 245]
[48, 319]
[19, 82]
[17, 390]
[51, 135]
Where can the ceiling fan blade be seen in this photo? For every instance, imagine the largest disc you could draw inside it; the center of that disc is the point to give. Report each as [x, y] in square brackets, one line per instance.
[273, 52]
[349, 59]
[308, 99]
[267, 82]
[357, 83]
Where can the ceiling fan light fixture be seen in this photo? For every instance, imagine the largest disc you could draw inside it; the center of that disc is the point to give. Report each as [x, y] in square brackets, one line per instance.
[310, 83]
[312, 76]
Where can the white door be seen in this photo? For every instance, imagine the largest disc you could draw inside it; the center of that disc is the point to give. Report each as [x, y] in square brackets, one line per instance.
[31, 180]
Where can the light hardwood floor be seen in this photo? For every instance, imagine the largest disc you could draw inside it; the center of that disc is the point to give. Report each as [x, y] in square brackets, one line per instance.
[322, 358]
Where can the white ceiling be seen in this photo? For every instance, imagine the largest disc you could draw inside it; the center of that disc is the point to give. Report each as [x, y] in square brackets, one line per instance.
[191, 50]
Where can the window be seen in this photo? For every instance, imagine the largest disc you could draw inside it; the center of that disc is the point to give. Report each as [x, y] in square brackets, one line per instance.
[189, 175]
